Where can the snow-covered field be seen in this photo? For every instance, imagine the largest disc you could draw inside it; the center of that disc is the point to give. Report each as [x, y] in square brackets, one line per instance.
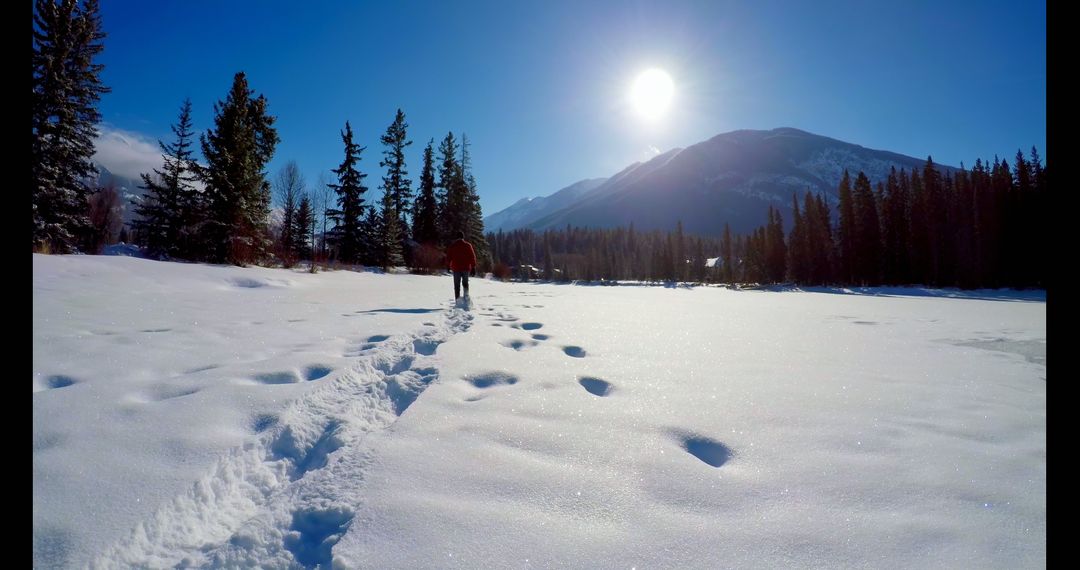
[194, 415]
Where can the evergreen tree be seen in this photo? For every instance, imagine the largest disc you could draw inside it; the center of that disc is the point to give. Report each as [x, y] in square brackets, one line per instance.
[396, 181]
[450, 195]
[67, 86]
[370, 230]
[171, 209]
[847, 231]
[893, 230]
[303, 229]
[867, 233]
[425, 211]
[350, 234]
[919, 252]
[388, 234]
[727, 256]
[826, 252]
[236, 151]
[798, 250]
[776, 249]
[473, 215]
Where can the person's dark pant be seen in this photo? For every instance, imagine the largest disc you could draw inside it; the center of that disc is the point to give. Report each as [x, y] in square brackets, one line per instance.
[461, 278]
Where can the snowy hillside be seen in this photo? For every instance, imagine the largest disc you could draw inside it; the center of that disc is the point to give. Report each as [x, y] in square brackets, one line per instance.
[194, 415]
[731, 178]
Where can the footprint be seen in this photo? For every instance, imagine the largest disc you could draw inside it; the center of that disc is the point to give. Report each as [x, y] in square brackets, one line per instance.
[708, 450]
[425, 347]
[528, 326]
[263, 422]
[489, 379]
[574, 351]
[314, 533]
[155, 330]
[277, 378]
[539, 336]
[202, 368]
[316, 371]
[293, 447]
[519, 344]
[596, 386]
[378, 338]
[54, 382]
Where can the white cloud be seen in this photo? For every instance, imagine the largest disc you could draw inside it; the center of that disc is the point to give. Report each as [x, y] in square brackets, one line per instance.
[126, 153]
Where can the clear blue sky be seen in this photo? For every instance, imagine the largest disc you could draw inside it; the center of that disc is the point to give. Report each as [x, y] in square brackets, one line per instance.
[540, 87]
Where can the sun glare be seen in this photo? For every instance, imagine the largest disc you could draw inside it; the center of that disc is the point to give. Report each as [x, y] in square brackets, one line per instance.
[652, 92]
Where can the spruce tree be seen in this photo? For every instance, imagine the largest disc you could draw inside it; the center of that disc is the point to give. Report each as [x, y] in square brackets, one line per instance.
[236, 150]
[396, 180]
[867, 232]
[350, 233]
[473, 215]
[450, 196]
[847, 231]
[425, 211]
[388, 234]
[303, 229]
[171, 209]
[727, 256]
[67, 86]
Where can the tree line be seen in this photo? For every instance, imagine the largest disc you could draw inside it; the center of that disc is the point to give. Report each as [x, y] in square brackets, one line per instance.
[219, 210]
[984, 227]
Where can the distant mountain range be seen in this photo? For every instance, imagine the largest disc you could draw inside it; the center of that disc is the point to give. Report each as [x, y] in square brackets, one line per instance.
[731, 178]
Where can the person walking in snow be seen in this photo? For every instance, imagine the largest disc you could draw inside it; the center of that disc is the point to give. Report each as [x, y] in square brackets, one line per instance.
[461, 259]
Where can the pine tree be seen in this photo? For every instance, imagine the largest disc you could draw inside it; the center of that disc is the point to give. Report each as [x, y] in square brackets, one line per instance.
[171, 209]
[236, 150]
[66, 89]
[867, 233]
[370, 229]
[775, 248]
[388, 234]
[727, 256]
[397, 180]
[847, 231]
[303, 229]
[826, 253]
[919, 252]
[473, 215]
[450, 196]
[892, 213]
[425, 211]
[350, 233]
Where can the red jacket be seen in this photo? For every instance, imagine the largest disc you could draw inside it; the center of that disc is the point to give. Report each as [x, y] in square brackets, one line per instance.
[460, 256]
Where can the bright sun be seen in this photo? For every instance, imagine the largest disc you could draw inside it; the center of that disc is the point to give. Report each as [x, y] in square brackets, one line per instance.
[651, 93]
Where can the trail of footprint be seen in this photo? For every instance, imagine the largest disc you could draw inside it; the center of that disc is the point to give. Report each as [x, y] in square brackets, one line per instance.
[269, 499]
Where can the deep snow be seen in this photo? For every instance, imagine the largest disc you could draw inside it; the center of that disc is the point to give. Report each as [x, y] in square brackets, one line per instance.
[200, 415]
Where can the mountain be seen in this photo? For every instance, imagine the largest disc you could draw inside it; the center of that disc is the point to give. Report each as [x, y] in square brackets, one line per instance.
[731, 178]
[527, 210]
